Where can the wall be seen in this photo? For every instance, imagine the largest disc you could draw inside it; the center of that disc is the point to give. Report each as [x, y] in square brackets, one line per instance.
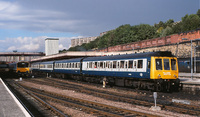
[173, 43]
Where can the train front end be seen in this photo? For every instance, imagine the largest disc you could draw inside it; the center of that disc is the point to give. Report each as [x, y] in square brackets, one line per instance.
[164, 72]
[23, 68]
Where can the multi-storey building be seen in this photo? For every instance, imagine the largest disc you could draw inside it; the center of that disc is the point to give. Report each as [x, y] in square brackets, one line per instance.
[80, 41]
[51, 46]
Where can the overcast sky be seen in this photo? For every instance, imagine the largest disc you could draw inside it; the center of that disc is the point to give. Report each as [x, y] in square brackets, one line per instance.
[25, 24]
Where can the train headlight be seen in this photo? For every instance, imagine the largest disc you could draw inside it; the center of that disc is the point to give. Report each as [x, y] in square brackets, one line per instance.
[159, 76]
[175, 76]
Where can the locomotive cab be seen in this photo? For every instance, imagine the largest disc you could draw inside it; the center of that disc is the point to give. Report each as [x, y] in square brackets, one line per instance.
[164, 71]
[23, 68]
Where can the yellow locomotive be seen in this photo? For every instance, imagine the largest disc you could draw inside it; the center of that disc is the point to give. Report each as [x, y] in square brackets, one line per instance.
[23, 68]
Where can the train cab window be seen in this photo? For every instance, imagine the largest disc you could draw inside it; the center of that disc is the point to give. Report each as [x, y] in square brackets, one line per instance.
[166, 64]
[122, 64]
[130, 64]
[158, 64]
[173, 64]
[114, 64]
[140, 64]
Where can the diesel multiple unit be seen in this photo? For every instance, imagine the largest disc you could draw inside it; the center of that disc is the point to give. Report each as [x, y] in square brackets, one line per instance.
[154, 70]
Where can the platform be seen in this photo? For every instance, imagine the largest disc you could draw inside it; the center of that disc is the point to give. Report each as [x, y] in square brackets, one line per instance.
[9, 105]
[186, 78]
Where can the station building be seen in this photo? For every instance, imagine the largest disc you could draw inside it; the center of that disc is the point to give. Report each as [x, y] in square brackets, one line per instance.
[19, 56]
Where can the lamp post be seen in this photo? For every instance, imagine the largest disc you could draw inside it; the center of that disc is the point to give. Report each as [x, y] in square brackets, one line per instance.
[191, 59]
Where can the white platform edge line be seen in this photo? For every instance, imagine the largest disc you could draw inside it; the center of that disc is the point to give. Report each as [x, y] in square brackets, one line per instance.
[17, 101]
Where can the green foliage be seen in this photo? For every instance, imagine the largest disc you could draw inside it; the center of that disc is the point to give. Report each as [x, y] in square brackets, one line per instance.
[190, 22]
[127, 33]
[198, 12]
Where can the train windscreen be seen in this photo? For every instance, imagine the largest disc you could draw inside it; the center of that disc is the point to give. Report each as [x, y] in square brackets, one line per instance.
[22, 65]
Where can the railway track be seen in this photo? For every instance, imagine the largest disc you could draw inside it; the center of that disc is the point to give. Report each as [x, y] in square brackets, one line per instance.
[174, 107]
[94, 108]
[32, 109]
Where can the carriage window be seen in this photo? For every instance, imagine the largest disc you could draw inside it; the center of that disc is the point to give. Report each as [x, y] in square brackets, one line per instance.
[49, 66]
[166, 64]
[78, 65]
[158, 64]
[108, 64]
[75, 65]
[122, 64]
[72, 65]
[69, 65]
[140, 64]
[130, 64]
[118, 64]
[173, 64]
[114, 64]
[126, 64]
[95, 64]
[135, 65]
[90, 64]
[98, 65]
[104, 64]
[101, 64]
[111, 64]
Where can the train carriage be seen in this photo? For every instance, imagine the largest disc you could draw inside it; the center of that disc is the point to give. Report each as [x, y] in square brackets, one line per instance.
[117, 66]
[46, 66]
[69, 66]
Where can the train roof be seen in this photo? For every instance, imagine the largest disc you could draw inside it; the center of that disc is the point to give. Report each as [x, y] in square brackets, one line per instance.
[47, 62]
[131, 56]
[69, 60]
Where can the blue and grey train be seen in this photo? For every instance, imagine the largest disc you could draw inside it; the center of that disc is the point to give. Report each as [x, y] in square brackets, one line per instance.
[153, 70]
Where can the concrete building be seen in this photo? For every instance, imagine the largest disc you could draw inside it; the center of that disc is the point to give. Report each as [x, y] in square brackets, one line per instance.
[80, 41]
[51, 46]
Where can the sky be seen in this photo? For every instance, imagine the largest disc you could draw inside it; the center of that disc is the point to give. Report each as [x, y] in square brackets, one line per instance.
[25, 24]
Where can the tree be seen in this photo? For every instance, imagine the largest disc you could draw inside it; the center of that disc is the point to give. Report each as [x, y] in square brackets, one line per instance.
[190, 22]
[198, 12]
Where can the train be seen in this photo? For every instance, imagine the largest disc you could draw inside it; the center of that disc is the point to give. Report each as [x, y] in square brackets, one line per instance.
[156, 71]
[185, 65]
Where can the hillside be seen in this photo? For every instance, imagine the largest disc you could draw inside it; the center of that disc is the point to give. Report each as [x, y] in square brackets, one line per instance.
[127, 33]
